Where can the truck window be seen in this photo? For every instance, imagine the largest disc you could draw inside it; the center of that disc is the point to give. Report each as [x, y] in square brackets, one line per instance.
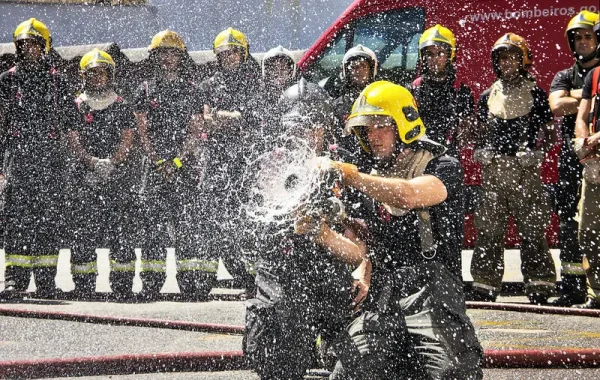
[393, 36]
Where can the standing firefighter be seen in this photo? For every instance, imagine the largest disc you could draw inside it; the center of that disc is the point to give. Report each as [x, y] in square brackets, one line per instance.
[413, 323]
[230, 126]
[100, 138]
[587, 133]
[359, 69]
[513, 111]
[31, 115]
[445, 104]
[565, 96]
[168, 119]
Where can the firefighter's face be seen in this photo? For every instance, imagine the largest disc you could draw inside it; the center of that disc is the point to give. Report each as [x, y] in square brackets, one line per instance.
[97, 77]
[231, 59]
[436, 59]
[168, 59]
[509, 62]
[30, 49]
[279, 72]
[359, 72]
[382, 140]
[585, 42]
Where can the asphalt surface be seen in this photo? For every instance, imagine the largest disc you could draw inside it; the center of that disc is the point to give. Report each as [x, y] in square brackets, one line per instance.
[30, 339]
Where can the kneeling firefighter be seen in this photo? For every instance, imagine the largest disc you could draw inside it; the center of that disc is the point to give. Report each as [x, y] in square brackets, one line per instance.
[168, 119]
[413, 323]
[513, 111]
[303, 280]
[100, 136]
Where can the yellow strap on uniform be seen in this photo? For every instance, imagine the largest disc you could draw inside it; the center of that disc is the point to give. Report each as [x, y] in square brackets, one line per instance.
[177, 162]
[122, 267]
[209, 266]
[85, 268]
[158, 266]
[572, 268]
[160, 162]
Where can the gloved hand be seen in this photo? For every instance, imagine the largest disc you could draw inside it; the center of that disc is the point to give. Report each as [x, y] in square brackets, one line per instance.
[530, 158]
[591, 170]
[345, 170]
[483, 156]
[104, 168]
[310, 225]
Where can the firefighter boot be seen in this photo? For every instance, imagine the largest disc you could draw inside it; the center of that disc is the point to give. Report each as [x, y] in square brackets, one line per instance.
[195, 284]
[152, 283]
[572, 291]
[85, 286]
[45, 282]
[121, 284]
[17, 281]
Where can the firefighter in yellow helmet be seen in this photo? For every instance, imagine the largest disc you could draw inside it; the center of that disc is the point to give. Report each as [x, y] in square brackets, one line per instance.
[587, 136]
[512, 113]
[168, 120]
[231, 99]
[32, 108]
[565, 98]
[446, 105]
[100, 137]
[409, 195]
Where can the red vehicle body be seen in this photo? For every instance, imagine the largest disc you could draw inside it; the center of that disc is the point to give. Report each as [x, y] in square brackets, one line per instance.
[392, 28]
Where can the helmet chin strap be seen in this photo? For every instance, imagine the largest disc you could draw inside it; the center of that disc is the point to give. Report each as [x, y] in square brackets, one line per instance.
[589, 57]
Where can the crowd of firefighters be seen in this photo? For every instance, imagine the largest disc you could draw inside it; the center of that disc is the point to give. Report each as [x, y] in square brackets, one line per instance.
[166, 167]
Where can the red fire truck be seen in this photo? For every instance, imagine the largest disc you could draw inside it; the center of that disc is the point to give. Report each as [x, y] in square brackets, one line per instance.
[392, 28]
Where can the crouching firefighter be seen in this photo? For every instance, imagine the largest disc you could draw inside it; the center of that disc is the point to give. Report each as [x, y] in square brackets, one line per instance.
[513, 111]
[413, 324]
[168, 120]
[100, 136]
[32, 104]
[303, 283]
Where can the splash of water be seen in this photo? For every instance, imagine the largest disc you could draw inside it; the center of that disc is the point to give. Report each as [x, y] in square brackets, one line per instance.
[283, 181]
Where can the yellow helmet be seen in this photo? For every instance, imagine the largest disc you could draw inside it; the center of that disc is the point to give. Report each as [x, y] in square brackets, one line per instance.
[167, 39]
[513, 42]
[438, 35]
[386, 103]
[33, 29]
[583, 20]
[97, 58]
[230, 39]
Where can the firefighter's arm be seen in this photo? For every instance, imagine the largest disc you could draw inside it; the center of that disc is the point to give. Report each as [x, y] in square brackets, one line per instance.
[79, 150]
[346, 248]
[194, 130]
[550, 136]
[418, 192]
[564, 102]
[124, 146]
[581, 124]
[142, 127]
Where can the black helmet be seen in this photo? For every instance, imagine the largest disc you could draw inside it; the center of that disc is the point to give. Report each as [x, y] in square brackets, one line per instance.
[306, 105]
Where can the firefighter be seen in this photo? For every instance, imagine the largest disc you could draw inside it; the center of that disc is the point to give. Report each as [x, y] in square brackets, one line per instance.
[445, 104]
[32, 115]
[303, 282]
[100, 137]
[168, 121]
[414, 319]
[565, 96]
[359, 69]
[587, 136]
[513, 111]
[230, 101]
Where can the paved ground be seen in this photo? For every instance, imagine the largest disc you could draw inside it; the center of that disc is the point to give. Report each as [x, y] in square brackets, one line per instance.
[26, 339]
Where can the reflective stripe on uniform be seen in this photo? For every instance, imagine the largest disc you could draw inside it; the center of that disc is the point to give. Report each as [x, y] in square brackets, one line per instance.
[197, 264]
[122, 267]
[45, 261]
[572, 268]
[22, 261]
[86, 268]
[153, 266]
[540, 284]
[486, 287]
